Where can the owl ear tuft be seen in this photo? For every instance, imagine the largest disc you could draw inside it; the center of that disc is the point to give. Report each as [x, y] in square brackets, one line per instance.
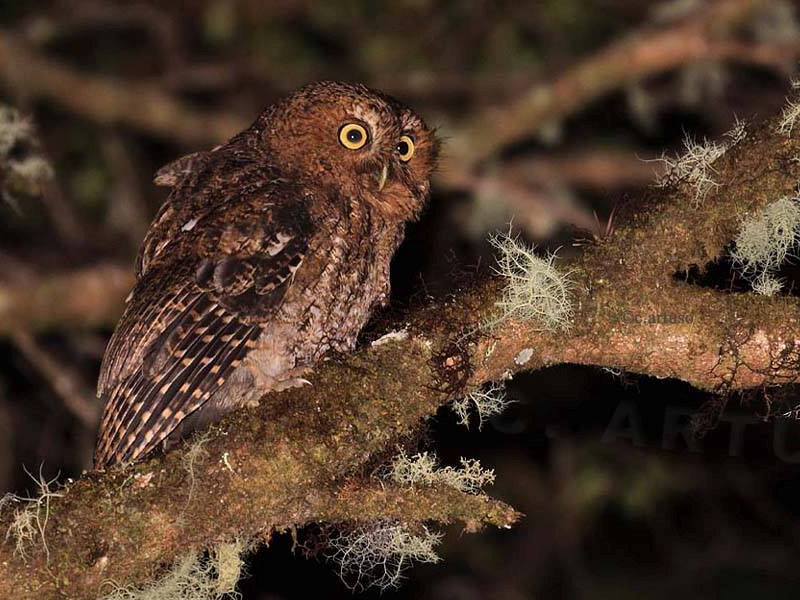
[172, 173]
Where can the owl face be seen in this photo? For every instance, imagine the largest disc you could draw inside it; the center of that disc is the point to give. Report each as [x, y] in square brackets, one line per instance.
[365, 144]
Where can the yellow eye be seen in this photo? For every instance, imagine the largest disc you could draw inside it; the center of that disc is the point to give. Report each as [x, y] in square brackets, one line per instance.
[353, 136]
[405, 148]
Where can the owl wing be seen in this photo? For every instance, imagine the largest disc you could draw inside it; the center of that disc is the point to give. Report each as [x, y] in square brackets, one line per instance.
[189, 323]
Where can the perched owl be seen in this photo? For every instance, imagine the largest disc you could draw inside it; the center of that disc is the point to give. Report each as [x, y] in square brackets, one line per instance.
[270, 251]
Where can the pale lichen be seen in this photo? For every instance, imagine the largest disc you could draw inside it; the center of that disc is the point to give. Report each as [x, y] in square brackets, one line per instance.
[535, 290]
[376, 554]
[790, 112]
[765, 241]
[487, 401]
[194, 453]
[193, 577]
[767, 285]
[30, 517]
[23, 170]
[423, 469]
[695, 165]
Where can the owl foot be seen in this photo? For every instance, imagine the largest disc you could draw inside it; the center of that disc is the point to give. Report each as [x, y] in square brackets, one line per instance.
[265, 382]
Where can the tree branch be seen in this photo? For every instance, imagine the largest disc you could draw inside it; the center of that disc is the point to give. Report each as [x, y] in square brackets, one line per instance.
[143, 106]
[644, 53]
[65, 382]
[87, 297]
[284, 464]
[715, 340]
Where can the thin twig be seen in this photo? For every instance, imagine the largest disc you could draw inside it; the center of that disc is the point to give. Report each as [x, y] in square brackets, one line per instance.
[63, 379]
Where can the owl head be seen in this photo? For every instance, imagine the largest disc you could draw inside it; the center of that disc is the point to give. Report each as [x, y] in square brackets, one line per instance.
[363, 143]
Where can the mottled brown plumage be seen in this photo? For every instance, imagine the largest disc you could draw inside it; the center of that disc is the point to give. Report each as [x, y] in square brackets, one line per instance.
[271, 250]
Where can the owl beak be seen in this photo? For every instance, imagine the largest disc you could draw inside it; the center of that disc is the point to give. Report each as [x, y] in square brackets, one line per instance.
[381, 176]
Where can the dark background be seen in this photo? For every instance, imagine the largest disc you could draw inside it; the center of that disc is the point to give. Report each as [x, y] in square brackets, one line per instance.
[615, 507]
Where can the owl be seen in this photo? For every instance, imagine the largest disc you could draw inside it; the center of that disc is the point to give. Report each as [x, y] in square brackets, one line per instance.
[270, 251]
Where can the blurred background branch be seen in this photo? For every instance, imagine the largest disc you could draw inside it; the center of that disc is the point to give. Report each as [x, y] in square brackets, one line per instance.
[88, 297]
[143, 106]
[703, 35]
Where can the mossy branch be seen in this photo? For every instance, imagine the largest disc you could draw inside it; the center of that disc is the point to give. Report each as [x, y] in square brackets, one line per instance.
[291, 462]
[305, 454]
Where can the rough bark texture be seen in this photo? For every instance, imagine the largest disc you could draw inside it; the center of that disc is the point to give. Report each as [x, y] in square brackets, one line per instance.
[305, 454]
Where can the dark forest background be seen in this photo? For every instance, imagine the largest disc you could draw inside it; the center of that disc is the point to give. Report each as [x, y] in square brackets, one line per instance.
[632, 487]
